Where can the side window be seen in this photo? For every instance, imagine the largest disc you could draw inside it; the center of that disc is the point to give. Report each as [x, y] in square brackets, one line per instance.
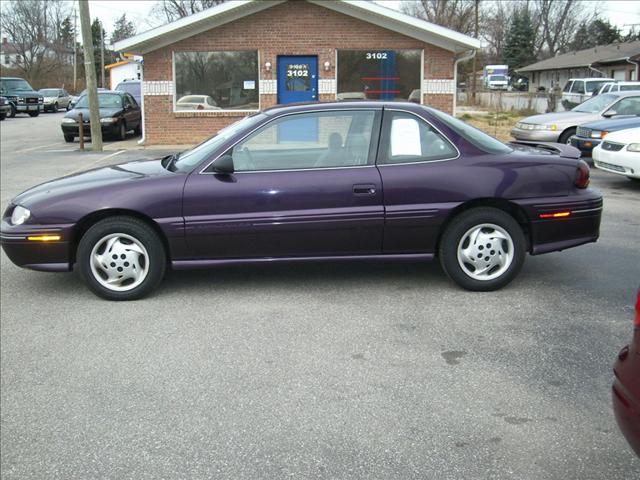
[413, 140]
[578, 87]
[130, 100]
[627, 106]
[567, 86]
[313, 140]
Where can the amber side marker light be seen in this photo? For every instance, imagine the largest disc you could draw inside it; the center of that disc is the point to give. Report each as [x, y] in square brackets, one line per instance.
[555, 215]
[44, 238]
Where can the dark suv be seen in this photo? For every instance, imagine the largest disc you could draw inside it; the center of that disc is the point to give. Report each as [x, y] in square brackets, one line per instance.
[21, 97]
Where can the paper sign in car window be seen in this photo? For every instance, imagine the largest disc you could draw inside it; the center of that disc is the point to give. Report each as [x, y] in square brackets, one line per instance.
[405, 137]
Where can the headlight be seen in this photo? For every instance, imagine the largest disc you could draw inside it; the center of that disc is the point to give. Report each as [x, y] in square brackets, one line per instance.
[69, 120]
[40, 100]
[21, 99]
[598, 134]
[552, 127]
[19, 215]
[108, 120]
[634, 147]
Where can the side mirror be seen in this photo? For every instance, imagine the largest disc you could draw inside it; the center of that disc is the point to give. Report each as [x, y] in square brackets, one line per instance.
[609, 113]
[224, 165]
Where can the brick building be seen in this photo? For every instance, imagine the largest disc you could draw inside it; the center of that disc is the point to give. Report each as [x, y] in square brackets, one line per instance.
[202, 72]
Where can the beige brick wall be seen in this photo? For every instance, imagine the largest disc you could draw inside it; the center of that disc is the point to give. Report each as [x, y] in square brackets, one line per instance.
[293, 28]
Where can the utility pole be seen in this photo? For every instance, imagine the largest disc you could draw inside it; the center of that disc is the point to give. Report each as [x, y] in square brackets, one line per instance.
[473, 80]
[90, 74]
[101, 55]
[75, 48]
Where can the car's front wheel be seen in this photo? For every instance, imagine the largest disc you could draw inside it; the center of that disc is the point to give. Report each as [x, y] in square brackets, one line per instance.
[34, 114]
[122, 131]
[482, 249]
[55, 108]
[13, 112]
[69, 138]
[121, 258]
[566, 136]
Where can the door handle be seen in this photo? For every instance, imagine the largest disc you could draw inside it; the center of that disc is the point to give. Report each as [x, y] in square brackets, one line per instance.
[364, 189]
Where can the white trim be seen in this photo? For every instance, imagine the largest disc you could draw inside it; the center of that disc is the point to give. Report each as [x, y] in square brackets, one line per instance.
[444, 86]
[235, 9]
[422, 77]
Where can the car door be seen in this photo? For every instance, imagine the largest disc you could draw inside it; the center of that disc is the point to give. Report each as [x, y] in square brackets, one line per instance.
[132, 111]
[414, 164]
[292, 194]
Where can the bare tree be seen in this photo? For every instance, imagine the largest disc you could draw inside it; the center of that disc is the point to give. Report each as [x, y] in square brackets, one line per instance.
[172, 10]
[33, 28]
[454, 14]
[557, 24]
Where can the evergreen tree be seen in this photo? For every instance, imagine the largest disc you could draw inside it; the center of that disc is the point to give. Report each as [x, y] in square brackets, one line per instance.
[597, 32]
[122, 28]
[66, 33]
[520, 40]
[582, 39]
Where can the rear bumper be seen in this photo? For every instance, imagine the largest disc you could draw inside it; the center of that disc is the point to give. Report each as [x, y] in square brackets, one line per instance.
[50, 256]
[580, 226]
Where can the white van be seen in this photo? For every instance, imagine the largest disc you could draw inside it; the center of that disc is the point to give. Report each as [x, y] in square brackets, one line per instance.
[618, 87]
[577, 90]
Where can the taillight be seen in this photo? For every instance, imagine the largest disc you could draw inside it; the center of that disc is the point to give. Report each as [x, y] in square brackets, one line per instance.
[636, 322]
[582, 175]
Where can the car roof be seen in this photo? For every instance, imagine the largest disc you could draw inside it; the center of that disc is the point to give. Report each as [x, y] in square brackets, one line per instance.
[11, 78]
[592, 78]
[334, 105]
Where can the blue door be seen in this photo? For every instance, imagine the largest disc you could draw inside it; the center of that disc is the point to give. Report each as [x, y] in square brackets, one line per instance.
[298, 82]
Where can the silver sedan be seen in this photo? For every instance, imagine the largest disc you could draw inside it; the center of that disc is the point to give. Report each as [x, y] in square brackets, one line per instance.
[561, 126]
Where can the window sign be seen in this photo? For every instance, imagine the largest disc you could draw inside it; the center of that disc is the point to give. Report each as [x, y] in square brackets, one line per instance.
[216, 80]
[379, 74]
[405, 137]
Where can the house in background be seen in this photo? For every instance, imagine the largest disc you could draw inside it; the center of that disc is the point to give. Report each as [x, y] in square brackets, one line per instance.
[246, 55]
[620, 61]
[129, 68]
[11, 57]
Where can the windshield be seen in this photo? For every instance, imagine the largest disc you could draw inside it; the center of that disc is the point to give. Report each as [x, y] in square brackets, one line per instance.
[197, 154]
[595, 104]
[132, 88]
[594, 85]
[471, 134]
[49, 92]
[106, 100]
[497, 78]
[14, 84]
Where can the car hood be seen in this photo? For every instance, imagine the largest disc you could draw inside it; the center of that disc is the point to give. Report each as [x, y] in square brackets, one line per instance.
[98, 179]
[561, 118]
[612, 125]
[104, 112]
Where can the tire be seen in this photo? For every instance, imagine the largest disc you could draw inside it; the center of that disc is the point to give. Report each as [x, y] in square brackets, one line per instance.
[502, 255]
[566, 136]
[69, 138]
[634, 179]
[122, 131]
[13, 112]
[3, 115]
[144, 258]
[34, 114]
[55, 108]
[138, 129]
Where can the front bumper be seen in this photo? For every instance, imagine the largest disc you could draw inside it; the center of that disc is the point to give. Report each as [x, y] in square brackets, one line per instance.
[622, 162]
[31, 107]
[585, 145]
[74, 129]
[535, 135]
[50, 256]
[626, 406]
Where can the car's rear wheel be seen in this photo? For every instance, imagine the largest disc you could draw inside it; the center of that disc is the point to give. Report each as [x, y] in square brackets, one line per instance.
[121, 258]
[69, 138]
[13, 112]
[566, 136]
[34, 114]
[482, 249]
[55, 108]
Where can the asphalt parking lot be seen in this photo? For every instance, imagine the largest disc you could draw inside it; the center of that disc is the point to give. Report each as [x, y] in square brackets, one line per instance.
[314, 371]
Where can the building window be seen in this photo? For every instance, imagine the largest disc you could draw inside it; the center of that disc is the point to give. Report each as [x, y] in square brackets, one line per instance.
[216, 80]
[379, 74]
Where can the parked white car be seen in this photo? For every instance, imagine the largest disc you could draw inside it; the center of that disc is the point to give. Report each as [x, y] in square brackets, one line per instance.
[618, 87]
[197, 102]
[577, 90]
[54, 99]
[620, 153]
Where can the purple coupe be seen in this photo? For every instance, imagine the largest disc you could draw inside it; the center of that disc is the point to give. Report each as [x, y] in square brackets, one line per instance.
[323, 181]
